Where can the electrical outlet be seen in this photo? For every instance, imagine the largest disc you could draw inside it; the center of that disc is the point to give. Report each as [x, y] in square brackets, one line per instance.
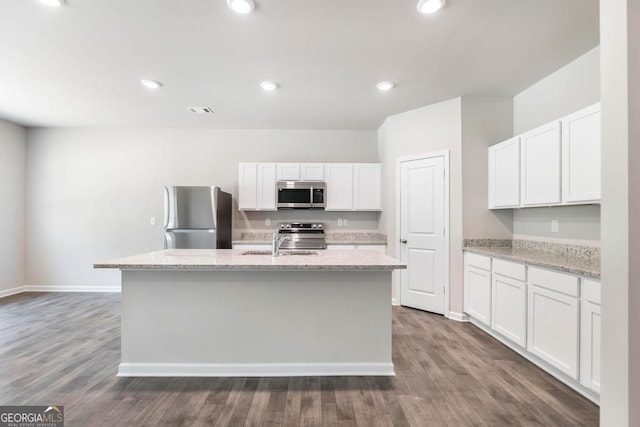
[152, 220]
[339, 222]
[267, 222]
[554, 225]
[345, 222]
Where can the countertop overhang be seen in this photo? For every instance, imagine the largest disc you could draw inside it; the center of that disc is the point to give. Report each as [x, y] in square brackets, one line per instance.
[234, 260]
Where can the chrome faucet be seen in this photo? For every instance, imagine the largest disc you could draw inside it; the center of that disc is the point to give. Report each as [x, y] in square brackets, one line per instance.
[276, 243]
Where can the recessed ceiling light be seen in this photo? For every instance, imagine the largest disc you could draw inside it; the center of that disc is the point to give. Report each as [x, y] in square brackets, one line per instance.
[269, 85]
[150, 84]
[241, 6]
[430, 6]
[52, 3]
[385, 86]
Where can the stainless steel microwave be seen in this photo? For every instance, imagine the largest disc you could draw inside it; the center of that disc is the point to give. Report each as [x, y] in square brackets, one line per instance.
[301, 195]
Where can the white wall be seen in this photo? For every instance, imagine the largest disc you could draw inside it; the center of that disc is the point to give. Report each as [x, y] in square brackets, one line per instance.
[91, 192]
[620, 38]
[572, 87]
[425, 130]
[485, 121]
[13, 149]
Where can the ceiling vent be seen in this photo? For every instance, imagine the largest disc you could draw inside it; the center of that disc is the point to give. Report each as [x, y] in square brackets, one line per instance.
[200, 110]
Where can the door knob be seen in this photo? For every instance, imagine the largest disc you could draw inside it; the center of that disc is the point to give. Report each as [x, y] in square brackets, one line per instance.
[403, 241]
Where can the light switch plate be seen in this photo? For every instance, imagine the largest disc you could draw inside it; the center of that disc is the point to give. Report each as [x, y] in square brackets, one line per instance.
[554, 225]
[267, 222]
[345, 222]
[339, 222]
[152, 220]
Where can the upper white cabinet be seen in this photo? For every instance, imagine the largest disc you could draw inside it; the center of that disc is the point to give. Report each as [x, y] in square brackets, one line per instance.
[581, 156]
[339, 181]
[349, 186]
[541, 163]
[312, 171]
[257, 186]
[367, 186]
[288, 172]
[553, 165]
[504, 174]
[300, 172]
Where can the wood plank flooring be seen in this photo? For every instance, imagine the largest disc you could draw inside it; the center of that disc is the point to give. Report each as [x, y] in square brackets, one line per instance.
[64, 348]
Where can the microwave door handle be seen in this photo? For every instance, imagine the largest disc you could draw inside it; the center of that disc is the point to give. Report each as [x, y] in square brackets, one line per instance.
[311, 196]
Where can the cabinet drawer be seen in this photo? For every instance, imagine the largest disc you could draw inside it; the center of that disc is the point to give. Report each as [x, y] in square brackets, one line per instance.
[559, 282]
[590, 291]
[510, 269]
[478, 261]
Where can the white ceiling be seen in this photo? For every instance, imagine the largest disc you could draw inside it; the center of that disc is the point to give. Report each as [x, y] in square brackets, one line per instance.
[81, 65]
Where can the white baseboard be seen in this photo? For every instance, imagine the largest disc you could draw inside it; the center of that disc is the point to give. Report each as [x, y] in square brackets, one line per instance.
[394, 301]
[458, 317]
[12, 291]
[72, 288]
[254, 369]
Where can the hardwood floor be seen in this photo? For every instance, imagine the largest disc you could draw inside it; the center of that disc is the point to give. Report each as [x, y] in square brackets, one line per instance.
[64, 348]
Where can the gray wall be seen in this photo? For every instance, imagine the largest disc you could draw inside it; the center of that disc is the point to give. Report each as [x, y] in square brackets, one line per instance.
[620, 38]
[13, 149]
[485, 121]
[91, 192]
[421, 131]
[574, 86]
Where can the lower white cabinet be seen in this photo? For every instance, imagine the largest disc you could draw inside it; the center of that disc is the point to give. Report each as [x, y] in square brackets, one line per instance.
[509, 308]
[590, 318]
[553, 322]
[477, 287]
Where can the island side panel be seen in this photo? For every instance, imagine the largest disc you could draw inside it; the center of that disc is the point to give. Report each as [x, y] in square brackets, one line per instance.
[219, 323]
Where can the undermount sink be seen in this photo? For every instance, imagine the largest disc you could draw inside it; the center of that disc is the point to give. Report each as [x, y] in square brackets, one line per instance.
[282, 252]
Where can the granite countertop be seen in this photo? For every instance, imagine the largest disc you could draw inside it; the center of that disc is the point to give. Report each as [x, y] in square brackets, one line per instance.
[331, 238]
[578, 260]
[233, 260]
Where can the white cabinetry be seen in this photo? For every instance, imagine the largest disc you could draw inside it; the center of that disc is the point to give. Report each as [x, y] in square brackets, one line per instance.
[257, 186]
[288, 172]
[509, 301]
[339, 190]
[504, 174]
[367, 186]
[540, 163]
[477, 287]
[312, 172]
[581, 156]
[553, 319]
[590, 318]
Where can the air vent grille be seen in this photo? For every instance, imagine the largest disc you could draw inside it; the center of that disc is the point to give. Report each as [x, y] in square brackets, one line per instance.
[200, 110]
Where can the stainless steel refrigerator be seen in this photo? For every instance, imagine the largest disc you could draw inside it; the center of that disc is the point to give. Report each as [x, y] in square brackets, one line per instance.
[197, 218]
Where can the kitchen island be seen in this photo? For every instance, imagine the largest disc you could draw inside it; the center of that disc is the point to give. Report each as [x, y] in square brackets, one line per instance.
[226, 312]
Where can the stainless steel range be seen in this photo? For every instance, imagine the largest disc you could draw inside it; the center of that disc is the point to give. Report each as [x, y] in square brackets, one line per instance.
[302, 235]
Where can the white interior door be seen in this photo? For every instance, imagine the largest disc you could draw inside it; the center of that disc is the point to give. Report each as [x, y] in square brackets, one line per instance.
[422, 233]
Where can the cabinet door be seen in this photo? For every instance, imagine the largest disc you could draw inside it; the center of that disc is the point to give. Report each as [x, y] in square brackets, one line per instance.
[553, 328]
[367, 187]
[477, 292]
[590, 335]
[504, 174]
[339, 180]
[288, 172]
[312, 172]
[266, 199]
[540, 162]
[509, 308]
[581, 141]
[247, 186]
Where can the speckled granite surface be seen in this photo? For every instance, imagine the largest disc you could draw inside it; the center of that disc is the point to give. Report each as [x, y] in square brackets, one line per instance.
[332, 238]
[574, 259]
[234, 260]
